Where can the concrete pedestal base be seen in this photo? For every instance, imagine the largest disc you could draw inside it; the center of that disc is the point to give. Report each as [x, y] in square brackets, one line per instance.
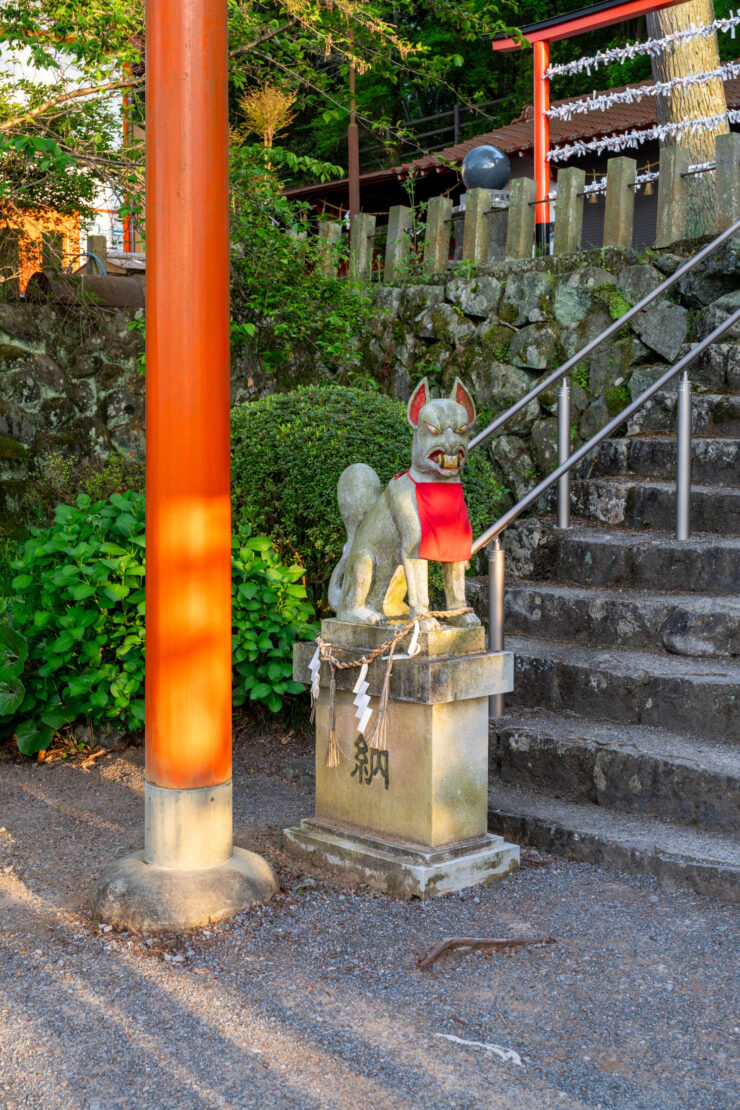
[411, 819]
[133, 894]
[405, 870]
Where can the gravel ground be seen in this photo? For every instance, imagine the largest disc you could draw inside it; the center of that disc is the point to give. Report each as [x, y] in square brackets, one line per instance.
[315, 1000]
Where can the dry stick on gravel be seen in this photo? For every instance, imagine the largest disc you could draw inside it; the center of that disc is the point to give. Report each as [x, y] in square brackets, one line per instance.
[496, 943]
[88, 760]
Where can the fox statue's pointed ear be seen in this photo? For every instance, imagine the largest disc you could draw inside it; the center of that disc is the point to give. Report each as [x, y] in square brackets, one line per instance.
[462, 397]
[417, 400]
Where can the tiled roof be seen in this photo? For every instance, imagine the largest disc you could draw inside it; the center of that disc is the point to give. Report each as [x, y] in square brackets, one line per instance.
[519, 135]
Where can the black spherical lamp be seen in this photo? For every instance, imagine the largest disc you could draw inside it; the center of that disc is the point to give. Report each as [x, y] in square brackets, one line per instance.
[485, 167]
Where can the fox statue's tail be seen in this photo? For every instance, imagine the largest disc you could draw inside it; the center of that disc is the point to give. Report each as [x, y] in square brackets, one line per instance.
[358, 489]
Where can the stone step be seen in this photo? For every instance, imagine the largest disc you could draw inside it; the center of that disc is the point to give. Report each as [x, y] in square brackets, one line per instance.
[629, 687]
[718, 367]
[637, 769]
[706, 564]
[713, 414]
[714, 461]
[707, 376]
[703, 860]
[652, 504]
[684, 624]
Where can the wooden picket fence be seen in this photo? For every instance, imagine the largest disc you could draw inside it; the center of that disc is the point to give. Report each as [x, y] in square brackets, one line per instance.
[520, 219]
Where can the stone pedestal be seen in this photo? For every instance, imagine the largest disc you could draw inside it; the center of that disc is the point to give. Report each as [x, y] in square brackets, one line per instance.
[411, 820]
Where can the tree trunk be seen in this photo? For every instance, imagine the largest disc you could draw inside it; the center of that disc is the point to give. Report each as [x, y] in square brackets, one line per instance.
[691, 102]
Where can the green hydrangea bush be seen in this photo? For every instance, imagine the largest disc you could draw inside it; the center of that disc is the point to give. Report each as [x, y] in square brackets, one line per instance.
[72, 630]
[289, 450]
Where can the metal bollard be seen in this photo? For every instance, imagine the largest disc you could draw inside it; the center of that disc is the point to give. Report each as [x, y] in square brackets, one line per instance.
[683, 476]
[496, 558]
[564, 453]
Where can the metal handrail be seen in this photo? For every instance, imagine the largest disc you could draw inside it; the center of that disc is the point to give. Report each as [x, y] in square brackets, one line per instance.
[560, 475]
[566, 367]
[503, 522]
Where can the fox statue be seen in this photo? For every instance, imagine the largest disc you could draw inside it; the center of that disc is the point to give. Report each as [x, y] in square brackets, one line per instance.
[392, 533]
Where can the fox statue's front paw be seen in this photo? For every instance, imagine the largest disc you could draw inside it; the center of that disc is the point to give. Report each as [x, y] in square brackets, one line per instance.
[362, 615]
[464, 620]
[426, 624]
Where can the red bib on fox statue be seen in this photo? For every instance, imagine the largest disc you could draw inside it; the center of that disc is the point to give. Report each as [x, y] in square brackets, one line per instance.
[446, 534]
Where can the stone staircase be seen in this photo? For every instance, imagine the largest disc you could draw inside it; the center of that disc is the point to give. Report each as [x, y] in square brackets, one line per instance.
[621, 742]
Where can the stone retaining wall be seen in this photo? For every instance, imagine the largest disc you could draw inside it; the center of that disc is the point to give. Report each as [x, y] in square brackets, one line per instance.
[70, 380]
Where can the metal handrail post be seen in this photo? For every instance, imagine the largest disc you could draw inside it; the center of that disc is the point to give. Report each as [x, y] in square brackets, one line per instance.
[511, 514]
[496, 566]
[564, 453]
[551, 379]
[683, 475]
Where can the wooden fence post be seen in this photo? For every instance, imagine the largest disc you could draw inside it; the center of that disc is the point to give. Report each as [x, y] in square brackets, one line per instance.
[330, 234]
[728, 179]
[619, 215]
[520, 232]
[672, 194]
[361, 247]
[569, 211]
[437, 235]
[97, 245]
[398, 241]
[475, 232]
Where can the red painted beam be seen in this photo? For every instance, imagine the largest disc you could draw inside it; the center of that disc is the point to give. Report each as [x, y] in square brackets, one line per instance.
[589, 21]
[188, 528]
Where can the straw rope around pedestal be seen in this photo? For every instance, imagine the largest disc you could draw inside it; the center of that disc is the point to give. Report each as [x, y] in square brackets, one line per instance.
[325, 653]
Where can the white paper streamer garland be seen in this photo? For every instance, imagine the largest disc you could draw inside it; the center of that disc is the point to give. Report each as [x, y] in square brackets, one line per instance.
[631, 139]
[634, 94]
[649, 46]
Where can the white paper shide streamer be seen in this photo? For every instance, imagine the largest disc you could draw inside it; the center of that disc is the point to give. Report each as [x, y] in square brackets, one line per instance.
[414, 646]
[314, 668]
[652, 47]
[362, 700]
[631, 139]
[635, 93]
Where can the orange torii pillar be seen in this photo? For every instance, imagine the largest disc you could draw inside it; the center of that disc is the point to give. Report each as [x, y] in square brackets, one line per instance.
[189, 872]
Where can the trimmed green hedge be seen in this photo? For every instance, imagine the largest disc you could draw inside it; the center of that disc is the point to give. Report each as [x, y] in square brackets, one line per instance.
[289, 450]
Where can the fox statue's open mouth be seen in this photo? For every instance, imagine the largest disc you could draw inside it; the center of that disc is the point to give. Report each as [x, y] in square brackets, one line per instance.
[447, 462]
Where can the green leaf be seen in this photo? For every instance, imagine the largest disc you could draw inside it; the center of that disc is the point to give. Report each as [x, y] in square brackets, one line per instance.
[12, 693]
[21, 582]
[56, 718]
[260, 691]
[82, 591]
[13, 648]
[125, 522]
[137, 709]
[32, 737]
[116, 591]
[63, 643]
[260, 543]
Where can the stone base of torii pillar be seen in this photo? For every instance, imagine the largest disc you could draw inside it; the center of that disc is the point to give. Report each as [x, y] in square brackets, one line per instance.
[410, 820]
